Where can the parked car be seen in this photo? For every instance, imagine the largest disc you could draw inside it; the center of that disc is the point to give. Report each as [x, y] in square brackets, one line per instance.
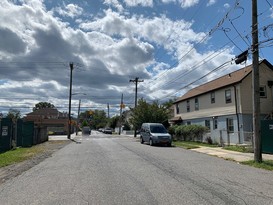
[108, 130]
[155, 133]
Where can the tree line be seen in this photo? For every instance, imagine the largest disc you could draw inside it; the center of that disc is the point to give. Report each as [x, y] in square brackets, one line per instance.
[144, 112]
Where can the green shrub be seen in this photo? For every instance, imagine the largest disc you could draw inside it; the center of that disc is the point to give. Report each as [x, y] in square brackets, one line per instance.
[190, 132]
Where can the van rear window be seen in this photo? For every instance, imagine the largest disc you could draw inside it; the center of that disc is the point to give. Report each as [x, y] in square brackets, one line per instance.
[157, 129]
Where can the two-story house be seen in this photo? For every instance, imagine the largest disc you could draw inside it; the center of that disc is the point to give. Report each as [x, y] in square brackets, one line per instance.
[224, 105]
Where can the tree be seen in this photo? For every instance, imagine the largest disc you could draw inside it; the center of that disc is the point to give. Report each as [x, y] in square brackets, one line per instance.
[113, 122]
[169, 103]
[42, 105]
[96, 118]
[14, 114]
[145, 112]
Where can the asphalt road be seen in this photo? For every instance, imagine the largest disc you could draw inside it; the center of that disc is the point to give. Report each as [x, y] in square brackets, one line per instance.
[105, 169]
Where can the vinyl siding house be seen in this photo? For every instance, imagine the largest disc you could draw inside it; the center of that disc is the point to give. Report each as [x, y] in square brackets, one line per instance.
[224, 105]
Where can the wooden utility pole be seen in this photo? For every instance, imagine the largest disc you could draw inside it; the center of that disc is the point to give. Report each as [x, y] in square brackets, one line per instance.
[256, 85]
[120, 113]
[69, 108]
[78, 118]
[108, 110]
[136, 81]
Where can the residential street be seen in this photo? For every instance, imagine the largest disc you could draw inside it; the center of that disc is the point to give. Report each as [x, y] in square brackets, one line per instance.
[111, 169]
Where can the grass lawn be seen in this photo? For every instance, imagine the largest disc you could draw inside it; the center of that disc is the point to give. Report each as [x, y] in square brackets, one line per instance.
[244, 149]
[18, 155]
[21, 154]
[191, 145]
[266, 164]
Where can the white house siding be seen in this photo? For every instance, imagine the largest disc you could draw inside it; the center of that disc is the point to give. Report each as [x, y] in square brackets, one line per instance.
[242, 119]
[220, 135]
[210, 112]
[246, 92]
[206, 108]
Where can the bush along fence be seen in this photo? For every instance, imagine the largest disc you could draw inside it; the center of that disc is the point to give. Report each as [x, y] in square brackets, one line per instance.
[20, 133]
[188, 132]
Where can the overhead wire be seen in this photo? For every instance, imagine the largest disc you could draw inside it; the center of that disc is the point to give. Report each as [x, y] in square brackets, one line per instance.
[200, 78]
[199, 42]
[198, 65]
[237, 33]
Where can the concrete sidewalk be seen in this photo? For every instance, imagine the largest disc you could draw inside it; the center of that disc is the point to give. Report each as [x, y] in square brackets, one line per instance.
[227, 154]
[64, 137]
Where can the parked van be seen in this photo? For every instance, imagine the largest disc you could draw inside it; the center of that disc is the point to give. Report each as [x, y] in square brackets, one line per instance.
[155, 133]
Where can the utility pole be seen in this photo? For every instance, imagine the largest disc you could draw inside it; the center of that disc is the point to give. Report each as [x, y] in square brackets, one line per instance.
[256, 85]
[120, 113]
[108, 110]
[79, 108]
[136, 81]
[69, 108]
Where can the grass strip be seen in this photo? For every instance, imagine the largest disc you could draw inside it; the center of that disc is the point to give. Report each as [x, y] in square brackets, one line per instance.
[244, 149]
[191, 144]
[18, 155]
[265, 164]
[22, 154]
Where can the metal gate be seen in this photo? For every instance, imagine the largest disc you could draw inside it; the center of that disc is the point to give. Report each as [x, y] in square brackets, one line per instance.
[6, 134]
[25, 132]
[267, 136]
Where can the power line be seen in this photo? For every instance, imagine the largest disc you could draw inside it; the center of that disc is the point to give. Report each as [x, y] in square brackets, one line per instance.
[269, 3]
[199, 42]
[193, 82]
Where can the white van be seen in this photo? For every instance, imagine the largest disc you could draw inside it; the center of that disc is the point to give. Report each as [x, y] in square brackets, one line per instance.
[155, 133]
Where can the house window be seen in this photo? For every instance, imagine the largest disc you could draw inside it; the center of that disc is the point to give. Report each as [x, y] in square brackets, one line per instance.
[196, 104]
[263, 92]
[228, 96]
[212, 97]
[177, 109]
[207, 124]
[215, 123]
[188, 106]
[230, 125]
[188, 122]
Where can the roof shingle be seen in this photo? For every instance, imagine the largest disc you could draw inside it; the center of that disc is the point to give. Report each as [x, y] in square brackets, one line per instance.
[226, 80]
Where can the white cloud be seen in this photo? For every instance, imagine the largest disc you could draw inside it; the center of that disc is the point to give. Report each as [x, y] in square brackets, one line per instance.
[107, 50]
[227, 6]
[188, 3]
[115, 4]
[144, 3]
[211, 2]
[70, 10]
[168, 1]
[159, 30]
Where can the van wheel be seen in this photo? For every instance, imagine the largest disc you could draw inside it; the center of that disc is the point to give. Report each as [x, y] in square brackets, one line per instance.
[141, 140]
[151, 142]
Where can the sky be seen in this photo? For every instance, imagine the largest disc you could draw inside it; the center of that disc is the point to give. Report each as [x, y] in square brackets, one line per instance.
[171, 46]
